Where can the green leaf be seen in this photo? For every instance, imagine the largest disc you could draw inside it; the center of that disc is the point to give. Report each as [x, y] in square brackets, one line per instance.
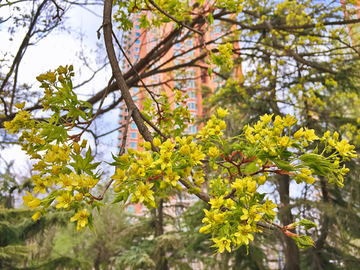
[209, 71]
[303, 241]
[319, 164]
[307, 224]
[282, 164]
[251, 168]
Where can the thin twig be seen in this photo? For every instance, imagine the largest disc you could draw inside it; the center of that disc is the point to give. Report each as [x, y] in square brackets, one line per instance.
[153, 126]
[137, 74]
[175, 20]
[98, 110]
[123, 143]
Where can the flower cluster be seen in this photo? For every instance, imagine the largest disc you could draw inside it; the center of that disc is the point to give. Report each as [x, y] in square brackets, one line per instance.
[174, 160]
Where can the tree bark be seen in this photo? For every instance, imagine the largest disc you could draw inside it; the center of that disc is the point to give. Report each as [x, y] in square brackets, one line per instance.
[162, 263]
[291, 251]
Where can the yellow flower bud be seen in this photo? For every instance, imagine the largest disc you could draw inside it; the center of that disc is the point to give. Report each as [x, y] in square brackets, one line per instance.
[309, 180]
[78, 197]
[83, 143]
[222, 125]
[36, 215]
[55, 169]
[261, 180]
[156, 142]
[251, 186]
[147, 146]
[77, 148]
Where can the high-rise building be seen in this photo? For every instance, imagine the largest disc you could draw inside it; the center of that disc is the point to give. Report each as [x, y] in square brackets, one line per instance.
[352, 11]
[137, 43]
[190, 80]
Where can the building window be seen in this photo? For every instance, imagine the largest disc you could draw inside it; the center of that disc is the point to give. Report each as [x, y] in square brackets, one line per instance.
[136, 57]
[121, 110]
[133, 145]
[137, 26]
[137, 42]
[133, 126]
[133, 135]
[191, 105]
[153, 39]
[137, 34]
[177, 45]
[135, 89]
[120, 118]
[137, 49]
[135, 98]
[192, 94]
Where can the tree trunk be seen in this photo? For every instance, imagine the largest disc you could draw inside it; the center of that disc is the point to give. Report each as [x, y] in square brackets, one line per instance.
[291, 251]
[324, 230]
[162, 263]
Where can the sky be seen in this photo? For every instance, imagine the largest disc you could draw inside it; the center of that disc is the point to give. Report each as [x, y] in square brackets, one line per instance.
[63, 48]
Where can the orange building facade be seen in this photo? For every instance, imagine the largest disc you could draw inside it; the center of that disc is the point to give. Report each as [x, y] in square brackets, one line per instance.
[190, 80]
[351, 12]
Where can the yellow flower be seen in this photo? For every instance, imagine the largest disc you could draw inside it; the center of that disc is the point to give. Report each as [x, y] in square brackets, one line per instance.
[268, 206]
[266, 118]
[289, 121]
[64, 200]
[244, 234]
[209, 217]
[345, 149]
[40, 185]
[168, 145]
[171, 177]
[20, 105]
[66, 181]
[82, 217]
[229, 203]
[238, 185]
[214, 152]
[197, 155]
[221, 244]
[251, 186]
[216, 131]
[119, 176]
[310, 135]
[217, 202]
[144, 192]
[298, 134]
[165, 159]
[185, 150]
[222, 113]
[146, 160]
[250, 215]
[284, 141]
[30, 200]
